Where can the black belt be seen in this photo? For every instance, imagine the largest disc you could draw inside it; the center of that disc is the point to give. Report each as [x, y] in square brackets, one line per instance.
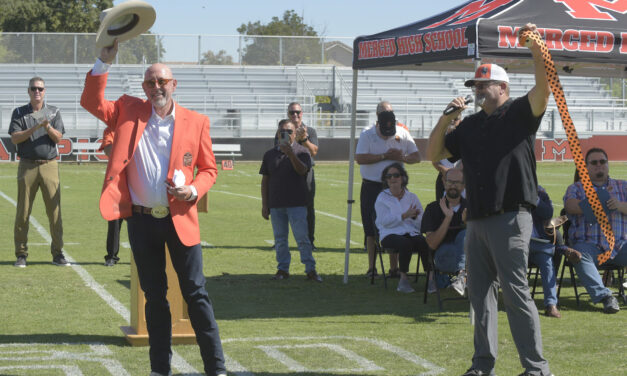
[157, 212]
[366, 181]
[520, 207]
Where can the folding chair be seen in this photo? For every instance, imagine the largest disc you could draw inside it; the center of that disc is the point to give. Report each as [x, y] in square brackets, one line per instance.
[379, 250]
[431, 267]
[606, 267]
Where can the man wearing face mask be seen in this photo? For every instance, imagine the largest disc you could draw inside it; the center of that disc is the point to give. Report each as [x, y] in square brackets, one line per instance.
[497, 147]
[585, 233]
[377, 148]
[284, 199]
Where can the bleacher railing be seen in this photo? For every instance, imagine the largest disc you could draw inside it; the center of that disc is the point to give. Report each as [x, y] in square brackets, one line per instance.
[79, 48]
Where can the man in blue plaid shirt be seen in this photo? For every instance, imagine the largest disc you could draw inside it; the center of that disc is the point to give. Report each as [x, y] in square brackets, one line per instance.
[585, 234]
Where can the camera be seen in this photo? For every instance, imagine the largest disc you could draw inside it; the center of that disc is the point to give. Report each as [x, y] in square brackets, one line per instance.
[284, 137]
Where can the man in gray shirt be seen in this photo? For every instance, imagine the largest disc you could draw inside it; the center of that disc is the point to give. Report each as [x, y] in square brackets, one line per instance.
[36, 128]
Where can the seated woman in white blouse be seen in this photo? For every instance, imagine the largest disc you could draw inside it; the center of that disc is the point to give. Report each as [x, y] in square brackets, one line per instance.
[399, 214]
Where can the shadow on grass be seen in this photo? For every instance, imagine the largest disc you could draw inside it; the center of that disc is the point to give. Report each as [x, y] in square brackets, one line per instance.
[269, 248]
[256, 296]
[63, 338]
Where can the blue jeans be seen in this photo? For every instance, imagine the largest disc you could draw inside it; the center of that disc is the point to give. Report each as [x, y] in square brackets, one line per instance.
[296, 218]
[541, 254]
[450, 257]
[148, 237]
[588, 273]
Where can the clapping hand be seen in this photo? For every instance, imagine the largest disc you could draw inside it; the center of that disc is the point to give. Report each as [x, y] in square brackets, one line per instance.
[448, 212]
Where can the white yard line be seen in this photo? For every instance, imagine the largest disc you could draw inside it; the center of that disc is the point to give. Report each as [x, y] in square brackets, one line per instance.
[317, 211]
[177, 361]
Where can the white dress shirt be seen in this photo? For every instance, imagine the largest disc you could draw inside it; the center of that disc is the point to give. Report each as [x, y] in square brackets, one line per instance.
[390, 210]
[148, 170]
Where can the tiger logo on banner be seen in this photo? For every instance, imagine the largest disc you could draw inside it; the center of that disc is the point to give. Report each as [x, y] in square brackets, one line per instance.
[573, 140]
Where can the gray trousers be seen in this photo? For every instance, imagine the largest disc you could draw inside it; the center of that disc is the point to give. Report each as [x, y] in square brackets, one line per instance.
[497, 248]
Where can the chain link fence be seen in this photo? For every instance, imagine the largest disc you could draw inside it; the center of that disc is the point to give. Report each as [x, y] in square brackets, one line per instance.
[69, 48]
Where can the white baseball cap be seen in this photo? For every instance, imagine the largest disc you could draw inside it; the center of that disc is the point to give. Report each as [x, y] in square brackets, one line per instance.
[488, 72]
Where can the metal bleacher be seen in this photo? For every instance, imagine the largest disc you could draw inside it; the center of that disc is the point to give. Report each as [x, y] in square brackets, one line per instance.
[248, 101]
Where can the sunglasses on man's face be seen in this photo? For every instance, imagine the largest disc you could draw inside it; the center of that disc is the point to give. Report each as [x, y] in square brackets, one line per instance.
[595, 162]
[161, 81]
[395, 175]
[37, 88]
[294, 112]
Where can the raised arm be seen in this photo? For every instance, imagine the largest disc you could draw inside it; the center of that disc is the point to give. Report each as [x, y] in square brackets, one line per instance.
[539, 94]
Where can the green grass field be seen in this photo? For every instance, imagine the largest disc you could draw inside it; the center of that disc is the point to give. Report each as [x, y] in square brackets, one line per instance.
[65, 321]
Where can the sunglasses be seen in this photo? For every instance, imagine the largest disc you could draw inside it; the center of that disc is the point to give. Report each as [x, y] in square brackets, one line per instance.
[393, 175]
[598, 162]
[288, 131]
[37, 88]
[161, 81]
[294, 112]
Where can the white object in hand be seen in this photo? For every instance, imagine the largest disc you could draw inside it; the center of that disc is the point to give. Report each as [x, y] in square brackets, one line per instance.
[178, 178]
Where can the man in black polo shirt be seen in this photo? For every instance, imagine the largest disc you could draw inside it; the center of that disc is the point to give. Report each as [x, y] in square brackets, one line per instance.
[497, 147]
[36, 128]
[284, 199]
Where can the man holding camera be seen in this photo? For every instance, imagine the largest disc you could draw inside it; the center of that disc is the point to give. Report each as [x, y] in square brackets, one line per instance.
[377, 148]
[284, 199]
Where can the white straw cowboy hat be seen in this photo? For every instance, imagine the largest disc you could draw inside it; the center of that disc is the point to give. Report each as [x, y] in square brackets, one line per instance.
[124, 21]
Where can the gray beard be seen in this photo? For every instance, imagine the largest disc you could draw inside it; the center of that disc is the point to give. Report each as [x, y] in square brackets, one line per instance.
[158, 103]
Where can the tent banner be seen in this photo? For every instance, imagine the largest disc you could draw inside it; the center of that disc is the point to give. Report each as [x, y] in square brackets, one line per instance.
[574, 31]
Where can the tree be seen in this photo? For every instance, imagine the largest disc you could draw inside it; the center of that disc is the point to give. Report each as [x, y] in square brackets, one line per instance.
[221, 58]
[286, 51]
[39, 16]
[63, 16]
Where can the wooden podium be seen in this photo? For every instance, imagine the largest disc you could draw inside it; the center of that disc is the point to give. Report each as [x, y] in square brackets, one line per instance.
[182, 331]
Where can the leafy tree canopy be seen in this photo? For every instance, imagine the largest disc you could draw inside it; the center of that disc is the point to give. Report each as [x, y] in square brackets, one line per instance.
[287, 51]
[63, 16]
[69, 16]
[221, 58]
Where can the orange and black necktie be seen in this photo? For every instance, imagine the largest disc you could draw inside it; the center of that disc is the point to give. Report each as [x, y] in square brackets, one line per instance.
[573, 141]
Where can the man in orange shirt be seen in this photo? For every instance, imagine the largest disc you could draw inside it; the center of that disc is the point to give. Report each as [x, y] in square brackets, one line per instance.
[150, 182]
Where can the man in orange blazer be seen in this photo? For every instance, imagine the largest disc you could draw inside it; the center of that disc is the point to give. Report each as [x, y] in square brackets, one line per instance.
[150, 182]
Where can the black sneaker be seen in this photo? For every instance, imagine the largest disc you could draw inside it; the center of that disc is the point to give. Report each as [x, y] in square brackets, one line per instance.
[313, 276]
[610, 304]
[60, 260]
[476, 372]
[20, 262]
[110, 262]
[280, 275]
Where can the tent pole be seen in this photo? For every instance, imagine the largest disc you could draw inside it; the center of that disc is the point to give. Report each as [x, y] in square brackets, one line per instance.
[351, 164]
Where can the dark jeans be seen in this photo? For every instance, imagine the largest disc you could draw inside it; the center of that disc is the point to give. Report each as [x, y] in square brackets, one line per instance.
[113, 239]
[405, 245]
[148, 237]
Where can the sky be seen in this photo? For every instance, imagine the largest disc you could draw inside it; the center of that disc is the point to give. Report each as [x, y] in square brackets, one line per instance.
[332, 18]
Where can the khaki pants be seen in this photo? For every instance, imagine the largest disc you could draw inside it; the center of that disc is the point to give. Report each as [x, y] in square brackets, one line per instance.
[30, 177]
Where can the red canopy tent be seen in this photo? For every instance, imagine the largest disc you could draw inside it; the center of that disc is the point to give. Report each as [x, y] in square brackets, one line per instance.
[585, 37]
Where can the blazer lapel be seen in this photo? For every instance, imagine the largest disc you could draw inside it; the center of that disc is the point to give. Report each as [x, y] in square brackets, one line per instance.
[178, 134]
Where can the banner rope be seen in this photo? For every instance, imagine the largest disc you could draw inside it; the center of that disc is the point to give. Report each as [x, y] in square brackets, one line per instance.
[573, 141]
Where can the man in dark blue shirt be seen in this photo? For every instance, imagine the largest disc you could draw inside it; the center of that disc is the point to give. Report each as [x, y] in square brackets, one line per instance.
[284, 199]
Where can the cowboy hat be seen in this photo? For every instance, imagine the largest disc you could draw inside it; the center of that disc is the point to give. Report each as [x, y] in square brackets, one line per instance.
[124, 21]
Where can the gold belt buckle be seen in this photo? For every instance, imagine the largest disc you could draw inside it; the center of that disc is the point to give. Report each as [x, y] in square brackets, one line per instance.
[160, 212]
